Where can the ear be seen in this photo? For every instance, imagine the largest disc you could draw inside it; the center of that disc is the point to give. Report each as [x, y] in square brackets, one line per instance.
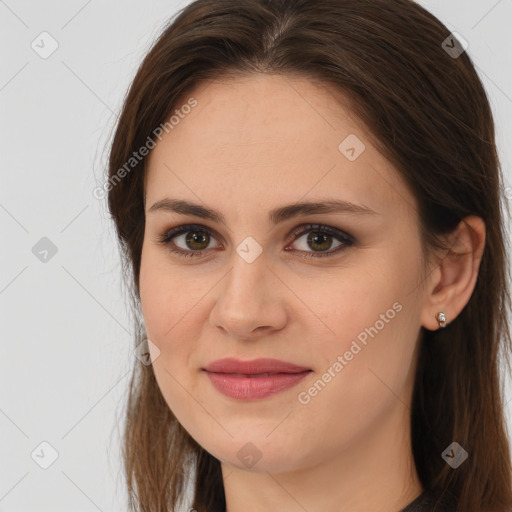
[452, 282]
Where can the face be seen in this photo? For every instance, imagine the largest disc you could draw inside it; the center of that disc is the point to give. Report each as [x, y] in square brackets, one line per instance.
[335, 292]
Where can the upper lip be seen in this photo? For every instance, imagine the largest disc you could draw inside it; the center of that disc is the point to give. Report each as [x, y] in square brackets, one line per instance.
[253, 367]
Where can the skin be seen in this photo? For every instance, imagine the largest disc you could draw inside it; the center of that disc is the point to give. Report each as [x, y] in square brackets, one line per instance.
[250, 145]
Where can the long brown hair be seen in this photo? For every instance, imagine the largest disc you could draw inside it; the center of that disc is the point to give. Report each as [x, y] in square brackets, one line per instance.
[426, 110]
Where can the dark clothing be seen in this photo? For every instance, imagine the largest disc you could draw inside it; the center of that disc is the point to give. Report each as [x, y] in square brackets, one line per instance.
[423, 503]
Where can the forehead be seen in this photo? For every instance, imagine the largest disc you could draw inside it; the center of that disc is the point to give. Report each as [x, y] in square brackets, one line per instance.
[270, 139]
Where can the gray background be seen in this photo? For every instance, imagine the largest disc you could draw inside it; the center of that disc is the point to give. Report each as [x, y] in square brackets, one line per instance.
[65, 331]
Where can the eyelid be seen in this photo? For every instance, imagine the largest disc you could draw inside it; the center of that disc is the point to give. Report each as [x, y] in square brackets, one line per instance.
[323, 228]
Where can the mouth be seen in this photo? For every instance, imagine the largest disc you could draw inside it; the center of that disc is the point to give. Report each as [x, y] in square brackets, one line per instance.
[256, 379]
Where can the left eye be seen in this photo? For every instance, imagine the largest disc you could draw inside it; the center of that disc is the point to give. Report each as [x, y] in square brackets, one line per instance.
[197, 238]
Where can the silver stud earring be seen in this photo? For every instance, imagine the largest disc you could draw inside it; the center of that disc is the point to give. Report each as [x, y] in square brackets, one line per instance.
[441, 318]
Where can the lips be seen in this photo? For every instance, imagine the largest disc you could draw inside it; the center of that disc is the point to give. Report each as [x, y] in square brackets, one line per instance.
[256, 379]
[256, 367]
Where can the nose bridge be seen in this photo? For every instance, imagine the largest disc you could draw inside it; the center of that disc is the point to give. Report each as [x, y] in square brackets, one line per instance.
[248, 298]
[248, 277]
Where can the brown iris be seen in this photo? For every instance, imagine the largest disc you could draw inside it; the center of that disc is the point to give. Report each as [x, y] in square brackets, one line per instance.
[319, 240]
[197, 237]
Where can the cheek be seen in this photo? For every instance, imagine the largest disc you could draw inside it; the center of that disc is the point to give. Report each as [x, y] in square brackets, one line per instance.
[343, 305]
[162, 312]
[371, 320]
[168, 307]
[159, 286]
[367, 372]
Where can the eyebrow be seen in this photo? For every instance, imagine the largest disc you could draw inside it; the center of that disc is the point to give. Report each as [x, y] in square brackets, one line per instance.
[275, 216]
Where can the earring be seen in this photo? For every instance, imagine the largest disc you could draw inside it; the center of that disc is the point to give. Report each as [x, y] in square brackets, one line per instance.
[441, 318]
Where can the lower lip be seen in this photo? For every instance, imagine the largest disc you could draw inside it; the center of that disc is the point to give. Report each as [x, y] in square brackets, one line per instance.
[242, 387]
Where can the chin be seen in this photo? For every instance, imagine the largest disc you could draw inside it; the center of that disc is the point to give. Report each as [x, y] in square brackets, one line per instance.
[258, 454]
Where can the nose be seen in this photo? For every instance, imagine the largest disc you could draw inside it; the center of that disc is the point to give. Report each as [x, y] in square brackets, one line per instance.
[250, 301]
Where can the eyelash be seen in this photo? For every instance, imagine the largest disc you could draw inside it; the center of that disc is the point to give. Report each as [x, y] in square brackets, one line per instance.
[345, 238]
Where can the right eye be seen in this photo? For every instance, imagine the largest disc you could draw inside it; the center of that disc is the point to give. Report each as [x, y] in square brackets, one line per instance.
[192, 237]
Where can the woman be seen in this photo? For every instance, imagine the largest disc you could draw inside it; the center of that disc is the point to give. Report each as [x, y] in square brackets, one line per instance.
[307, 197]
